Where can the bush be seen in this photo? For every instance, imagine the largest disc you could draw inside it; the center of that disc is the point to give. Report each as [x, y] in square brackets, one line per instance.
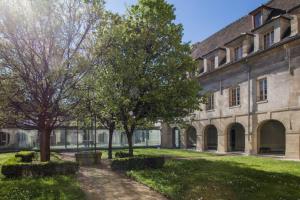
[121, 154]
[15, 170]
[25, 156]
[138, 163]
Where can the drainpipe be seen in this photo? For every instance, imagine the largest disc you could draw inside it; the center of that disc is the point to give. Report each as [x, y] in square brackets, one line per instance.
[288, 58]
[249, 105]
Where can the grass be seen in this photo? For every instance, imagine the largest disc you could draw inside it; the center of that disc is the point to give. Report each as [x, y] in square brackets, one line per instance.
[47, 188]
[208, 176]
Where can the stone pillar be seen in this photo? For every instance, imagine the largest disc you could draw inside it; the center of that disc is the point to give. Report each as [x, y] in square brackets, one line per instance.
[228, 55]
[247, 143]
[216, 62]
[222, 141]
[295, 25]
[257, 42]
[277, 32]
[183, 136]
[292, 145]
[205, 64]
[200, 141]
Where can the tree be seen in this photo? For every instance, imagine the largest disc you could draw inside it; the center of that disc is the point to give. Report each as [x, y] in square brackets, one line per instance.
[42, 46]
[98, 101]
[151, 68]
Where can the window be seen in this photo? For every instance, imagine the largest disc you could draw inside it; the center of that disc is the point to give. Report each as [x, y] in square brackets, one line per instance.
[210, 65]
[257, 20]
[238, 53]
[262, 90]
[210, 102]
[268, 39]
[234, 96]
[201, 69]
[102, 138]
[4, 139]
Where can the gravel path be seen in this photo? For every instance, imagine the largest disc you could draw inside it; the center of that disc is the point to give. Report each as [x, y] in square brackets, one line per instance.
[101, 183]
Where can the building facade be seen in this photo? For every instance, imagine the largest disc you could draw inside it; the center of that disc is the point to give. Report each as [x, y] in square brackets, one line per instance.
[250, 74]
[71, 138]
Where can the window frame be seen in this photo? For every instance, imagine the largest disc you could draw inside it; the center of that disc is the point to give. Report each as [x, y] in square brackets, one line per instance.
[258, 19]
[211, 66]
[238, 52]
[210, 105]
[269, 39]
[234, 96]
[262, 89]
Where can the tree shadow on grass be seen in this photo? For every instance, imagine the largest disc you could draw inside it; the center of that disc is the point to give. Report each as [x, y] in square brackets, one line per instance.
[50, 188]
[227, 180]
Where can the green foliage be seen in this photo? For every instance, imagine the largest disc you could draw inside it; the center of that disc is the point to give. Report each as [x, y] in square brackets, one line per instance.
[48, 188]
[144, 72]
[148, 66]
[26, 156]
[121, 154]
[138, 163]
[15, 170]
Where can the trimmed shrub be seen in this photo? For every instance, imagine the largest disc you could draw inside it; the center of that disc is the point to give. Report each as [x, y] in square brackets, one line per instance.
[121, 154]
[88, 158]
[25, 156]
[138, 163]
[15, 170]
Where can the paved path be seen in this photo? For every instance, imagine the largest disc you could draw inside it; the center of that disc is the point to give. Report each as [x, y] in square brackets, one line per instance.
[101, 183]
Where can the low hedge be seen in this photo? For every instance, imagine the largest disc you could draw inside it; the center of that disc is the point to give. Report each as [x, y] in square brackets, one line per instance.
[15, 170]
[25, 156]
[121, 154]
[138, 163]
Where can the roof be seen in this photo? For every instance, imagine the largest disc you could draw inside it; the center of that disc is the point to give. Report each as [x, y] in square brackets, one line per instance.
[238, 37]
[234, 29]
[258, 9]
[271, 20]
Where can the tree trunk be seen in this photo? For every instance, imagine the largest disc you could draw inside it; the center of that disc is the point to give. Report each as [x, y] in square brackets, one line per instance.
[45, 145]
[130, 146]
[111, 132]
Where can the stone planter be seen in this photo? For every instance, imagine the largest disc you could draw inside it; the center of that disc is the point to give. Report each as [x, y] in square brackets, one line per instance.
[88, 158]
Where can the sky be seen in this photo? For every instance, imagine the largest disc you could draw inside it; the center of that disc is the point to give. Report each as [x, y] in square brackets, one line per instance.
[200, 18]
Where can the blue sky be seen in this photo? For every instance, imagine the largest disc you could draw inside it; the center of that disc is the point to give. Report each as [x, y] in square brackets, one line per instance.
[200, 18]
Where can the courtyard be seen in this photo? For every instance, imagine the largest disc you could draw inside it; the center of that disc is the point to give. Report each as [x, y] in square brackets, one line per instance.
[185, 175]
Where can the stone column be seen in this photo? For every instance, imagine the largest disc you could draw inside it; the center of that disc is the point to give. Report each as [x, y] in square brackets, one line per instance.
[222, 141]
[292, 145]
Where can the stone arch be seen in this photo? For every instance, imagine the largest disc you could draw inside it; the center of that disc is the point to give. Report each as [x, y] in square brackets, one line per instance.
[191, 137]
[271, 137]
[235, 137]
[210, 138]
[175, 137]
[4, 138]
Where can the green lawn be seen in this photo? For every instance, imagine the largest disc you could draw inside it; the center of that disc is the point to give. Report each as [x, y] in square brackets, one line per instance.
[208, 176]
[51, 188]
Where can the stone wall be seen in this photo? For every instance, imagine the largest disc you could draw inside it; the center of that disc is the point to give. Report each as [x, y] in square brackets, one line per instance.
[281, 67]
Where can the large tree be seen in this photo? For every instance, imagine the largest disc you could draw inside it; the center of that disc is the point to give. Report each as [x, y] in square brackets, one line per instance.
[42, 46]
[151, 67]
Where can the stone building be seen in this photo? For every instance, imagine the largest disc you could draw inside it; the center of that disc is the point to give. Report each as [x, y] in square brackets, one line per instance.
[250, 73]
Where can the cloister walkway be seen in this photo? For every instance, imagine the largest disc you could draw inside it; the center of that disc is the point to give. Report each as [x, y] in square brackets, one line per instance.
[102, 183]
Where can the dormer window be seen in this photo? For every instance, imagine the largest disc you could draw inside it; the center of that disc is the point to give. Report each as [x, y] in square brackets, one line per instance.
[238, 53]
[210, 64]
[201, 69]
[258, 19]
[268, 39]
